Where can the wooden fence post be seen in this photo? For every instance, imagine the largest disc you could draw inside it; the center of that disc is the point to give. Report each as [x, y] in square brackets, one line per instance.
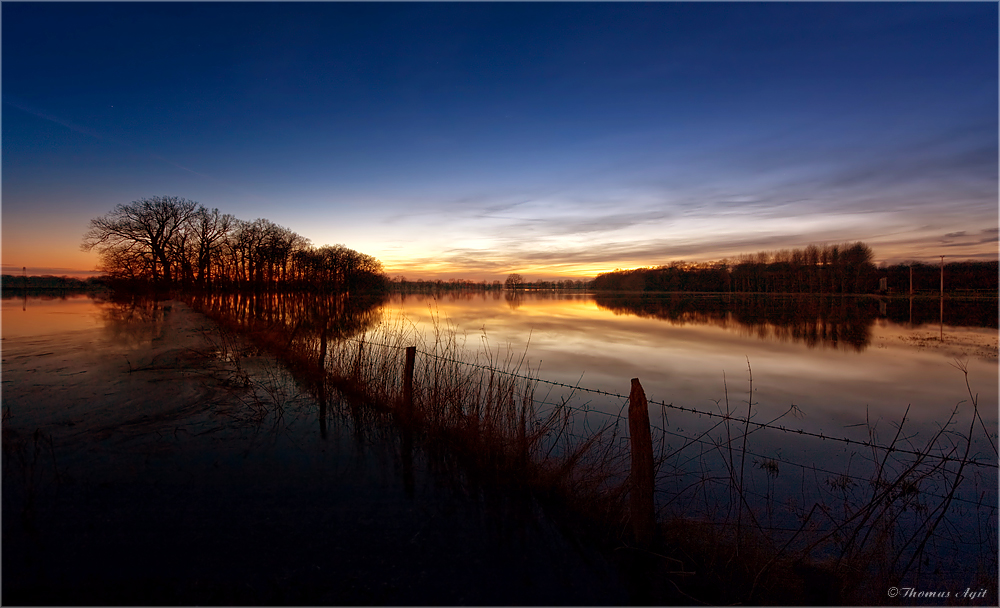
[641, 492]
[411, 353]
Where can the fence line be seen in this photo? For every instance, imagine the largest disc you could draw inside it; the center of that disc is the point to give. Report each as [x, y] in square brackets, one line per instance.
[759, 425]
[813, 468]
[762, 457]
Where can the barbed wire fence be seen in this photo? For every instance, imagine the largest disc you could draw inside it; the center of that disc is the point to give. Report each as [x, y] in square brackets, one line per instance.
[706, 466]
[702, 470]
[671, 406]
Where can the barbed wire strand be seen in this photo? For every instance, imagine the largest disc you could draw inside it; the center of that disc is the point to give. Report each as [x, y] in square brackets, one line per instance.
[736, 419]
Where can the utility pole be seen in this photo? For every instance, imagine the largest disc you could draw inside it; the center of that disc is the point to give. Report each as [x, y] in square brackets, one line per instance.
[942, 276]
[911, 279]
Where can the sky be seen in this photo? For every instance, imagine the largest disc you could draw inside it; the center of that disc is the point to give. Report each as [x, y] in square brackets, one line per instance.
[472, 140]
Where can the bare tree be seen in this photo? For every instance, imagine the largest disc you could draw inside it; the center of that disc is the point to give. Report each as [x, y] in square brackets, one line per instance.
[170, 239]
[145, 227]
[514, 281]
[210, 229]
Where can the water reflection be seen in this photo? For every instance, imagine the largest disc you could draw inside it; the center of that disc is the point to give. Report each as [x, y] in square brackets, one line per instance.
[689, 351]
[134, 320]
[34, 316]
[815, 321]
[514, 299]
[324, 317]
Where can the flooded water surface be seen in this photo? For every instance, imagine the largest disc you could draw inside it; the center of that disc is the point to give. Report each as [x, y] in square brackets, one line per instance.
[47, 316]
[837, 360]
[150, 402]
[149, 459]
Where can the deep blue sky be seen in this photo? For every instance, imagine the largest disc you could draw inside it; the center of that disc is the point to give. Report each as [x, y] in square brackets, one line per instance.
[473, 140]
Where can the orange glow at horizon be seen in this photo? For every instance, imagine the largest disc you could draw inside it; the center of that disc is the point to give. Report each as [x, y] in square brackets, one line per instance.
[539, 272]
[57, 251]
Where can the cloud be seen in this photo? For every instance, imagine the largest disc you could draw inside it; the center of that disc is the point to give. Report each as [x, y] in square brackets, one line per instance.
[569, 224]
[584, 258]
[27, 108]
[990, 236]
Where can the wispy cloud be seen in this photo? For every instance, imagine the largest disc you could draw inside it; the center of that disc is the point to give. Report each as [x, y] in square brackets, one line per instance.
[72, 126]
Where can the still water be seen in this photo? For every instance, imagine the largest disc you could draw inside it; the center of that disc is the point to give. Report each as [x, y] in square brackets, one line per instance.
[846, 368]
[143, 468]
[841, 367]
[838, 361]
[841, 362]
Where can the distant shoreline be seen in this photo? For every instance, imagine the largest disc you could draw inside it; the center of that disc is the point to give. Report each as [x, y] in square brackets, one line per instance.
[47, 284]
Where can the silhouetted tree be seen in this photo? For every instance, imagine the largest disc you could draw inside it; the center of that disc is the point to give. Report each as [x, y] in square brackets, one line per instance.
[514, 281]
[843, 268]
[210, 229]
[169, 240]
[142, 230]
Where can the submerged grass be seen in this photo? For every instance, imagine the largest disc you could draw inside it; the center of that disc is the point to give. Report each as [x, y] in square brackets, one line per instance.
[719, 537]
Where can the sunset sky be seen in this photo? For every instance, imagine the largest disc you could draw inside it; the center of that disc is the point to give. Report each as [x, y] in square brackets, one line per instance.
[474, 140]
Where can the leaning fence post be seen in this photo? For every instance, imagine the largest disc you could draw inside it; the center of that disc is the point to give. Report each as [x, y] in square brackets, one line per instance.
[641, 492]
[411, 353]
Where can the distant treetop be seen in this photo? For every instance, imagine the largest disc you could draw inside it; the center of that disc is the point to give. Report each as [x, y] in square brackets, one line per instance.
[168, 240]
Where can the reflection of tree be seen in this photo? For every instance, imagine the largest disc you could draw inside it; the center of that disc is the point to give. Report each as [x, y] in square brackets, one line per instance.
[298, 316]
[514, 299]
[958, 312]
[134, 320]
[810, 319]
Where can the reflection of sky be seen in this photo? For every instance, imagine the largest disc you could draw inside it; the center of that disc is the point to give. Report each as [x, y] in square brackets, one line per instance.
[838, 392]
[574, 341]
[42, 317]
[472, 140]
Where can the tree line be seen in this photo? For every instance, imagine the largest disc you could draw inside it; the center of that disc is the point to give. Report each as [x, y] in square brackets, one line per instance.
[964, 276]
[839, 268]
[514, 282]
[47, 284]
[172, 241]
